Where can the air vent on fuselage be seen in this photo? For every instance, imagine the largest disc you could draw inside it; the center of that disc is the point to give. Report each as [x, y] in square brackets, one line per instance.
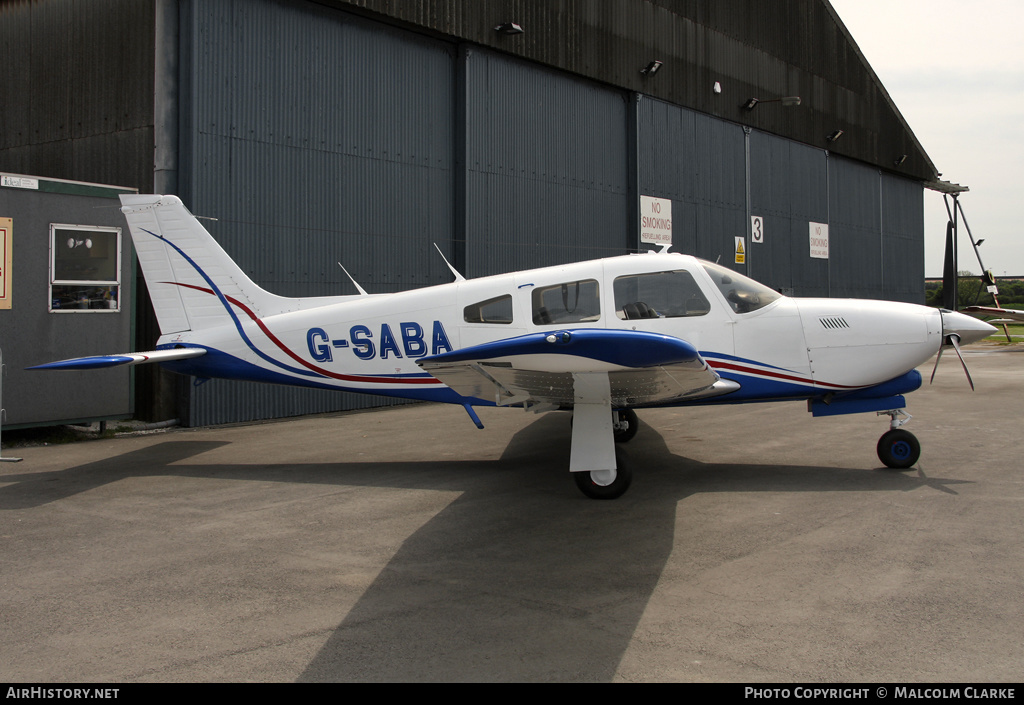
[834, 322]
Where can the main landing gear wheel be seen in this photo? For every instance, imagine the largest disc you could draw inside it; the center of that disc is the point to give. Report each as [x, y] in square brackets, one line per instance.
[624, 424]
[604, 484]
[898, 449]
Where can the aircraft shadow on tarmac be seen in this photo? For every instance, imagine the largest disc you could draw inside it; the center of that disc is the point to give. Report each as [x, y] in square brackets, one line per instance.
[520, 578]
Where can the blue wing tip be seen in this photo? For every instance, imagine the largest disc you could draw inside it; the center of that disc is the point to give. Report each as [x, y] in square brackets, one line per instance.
[84, 363]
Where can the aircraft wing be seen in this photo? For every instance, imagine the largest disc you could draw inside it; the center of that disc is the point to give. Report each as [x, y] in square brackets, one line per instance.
[1007, 313]
[99, 361]
[542, 368]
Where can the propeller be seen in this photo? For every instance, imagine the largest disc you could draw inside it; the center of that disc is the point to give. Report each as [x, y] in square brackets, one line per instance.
[956, 328]
[953, 340]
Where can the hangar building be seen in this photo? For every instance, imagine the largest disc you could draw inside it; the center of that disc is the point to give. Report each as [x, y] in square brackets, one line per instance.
[511, 133]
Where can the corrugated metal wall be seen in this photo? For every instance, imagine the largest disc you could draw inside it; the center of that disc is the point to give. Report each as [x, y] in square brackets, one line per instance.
[752, 48]
[547, 180]
[314, 137]
[699, 163]
[875, 220]
[903, 241]
[76, 96]
[788, 184]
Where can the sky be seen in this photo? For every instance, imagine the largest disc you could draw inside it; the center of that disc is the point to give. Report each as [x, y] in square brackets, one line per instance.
[955, 70]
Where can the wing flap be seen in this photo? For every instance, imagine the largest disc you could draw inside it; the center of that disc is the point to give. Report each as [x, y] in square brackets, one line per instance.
[538, 368]
[96, 362]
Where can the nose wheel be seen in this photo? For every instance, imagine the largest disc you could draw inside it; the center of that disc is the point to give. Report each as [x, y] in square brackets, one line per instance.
[898, 448]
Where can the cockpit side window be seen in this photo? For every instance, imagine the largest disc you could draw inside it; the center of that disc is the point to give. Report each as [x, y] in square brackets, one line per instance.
[742, 293]
[659, 295]
[496, 310]
[571, 302]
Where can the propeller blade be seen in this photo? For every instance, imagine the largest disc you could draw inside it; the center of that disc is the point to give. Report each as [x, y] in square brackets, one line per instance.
[936, 368]
[955, 342]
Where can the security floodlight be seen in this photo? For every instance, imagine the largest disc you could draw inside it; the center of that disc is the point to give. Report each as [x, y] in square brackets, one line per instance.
[651, 68]
[834, 136]
[509, 28]
[787, 101]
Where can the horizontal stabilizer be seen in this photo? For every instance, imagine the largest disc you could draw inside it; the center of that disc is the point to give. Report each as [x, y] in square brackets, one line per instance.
[96, 362]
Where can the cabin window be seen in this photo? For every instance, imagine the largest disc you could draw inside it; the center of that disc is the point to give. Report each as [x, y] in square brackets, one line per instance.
[496, 310]
[571, 302]
[742, 293]
[85, 269]
[659, 295]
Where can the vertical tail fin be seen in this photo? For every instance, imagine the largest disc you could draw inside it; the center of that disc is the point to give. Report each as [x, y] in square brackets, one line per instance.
[192, 281]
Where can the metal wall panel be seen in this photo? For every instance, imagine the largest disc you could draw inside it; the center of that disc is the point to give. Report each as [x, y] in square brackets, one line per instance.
[76, 90]
[855, 230]
[903, 240]
[788, 184]
[699, 163]
[314, 137]
[547, 181]
[752, 48]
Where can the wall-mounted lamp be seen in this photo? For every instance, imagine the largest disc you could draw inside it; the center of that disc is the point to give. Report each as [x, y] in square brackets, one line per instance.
[834, 136]
[651, 68]
[899, 161]
[788, 101]
[509, 28]
[717, 88]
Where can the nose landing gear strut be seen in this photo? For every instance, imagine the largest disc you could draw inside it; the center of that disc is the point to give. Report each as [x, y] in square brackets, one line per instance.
[898, 448]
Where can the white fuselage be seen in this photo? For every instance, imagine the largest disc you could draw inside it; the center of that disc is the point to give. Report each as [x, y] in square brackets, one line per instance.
[787, 347]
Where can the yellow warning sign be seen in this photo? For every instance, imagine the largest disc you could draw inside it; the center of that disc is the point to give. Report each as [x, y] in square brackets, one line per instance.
[741, 250]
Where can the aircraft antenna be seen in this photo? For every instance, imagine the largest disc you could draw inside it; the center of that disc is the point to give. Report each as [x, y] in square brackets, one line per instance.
[458, 277]
[362, 291]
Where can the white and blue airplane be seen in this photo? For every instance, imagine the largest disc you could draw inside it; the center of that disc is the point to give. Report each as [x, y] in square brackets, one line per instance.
[601, 338]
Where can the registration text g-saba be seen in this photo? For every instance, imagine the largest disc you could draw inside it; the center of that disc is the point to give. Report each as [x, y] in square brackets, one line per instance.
[880, 692]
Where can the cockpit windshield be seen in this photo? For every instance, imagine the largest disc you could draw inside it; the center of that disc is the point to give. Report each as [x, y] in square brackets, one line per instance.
[742, 293]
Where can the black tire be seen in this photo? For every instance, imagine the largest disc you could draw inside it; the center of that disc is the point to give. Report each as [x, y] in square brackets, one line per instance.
[628, 416]
[898, 449]
[618, 487]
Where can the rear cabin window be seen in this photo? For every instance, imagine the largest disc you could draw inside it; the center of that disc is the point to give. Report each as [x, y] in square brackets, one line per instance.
[496, 310]
[659, 295]
[571, 302]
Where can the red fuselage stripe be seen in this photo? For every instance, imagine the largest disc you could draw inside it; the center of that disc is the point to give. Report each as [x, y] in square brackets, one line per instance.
[327, 373]
[717, 364]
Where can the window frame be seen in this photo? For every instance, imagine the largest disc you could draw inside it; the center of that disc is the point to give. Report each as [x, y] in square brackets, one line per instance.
[479, 306]
[692, 280]
[115, 283]
[537, 303]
